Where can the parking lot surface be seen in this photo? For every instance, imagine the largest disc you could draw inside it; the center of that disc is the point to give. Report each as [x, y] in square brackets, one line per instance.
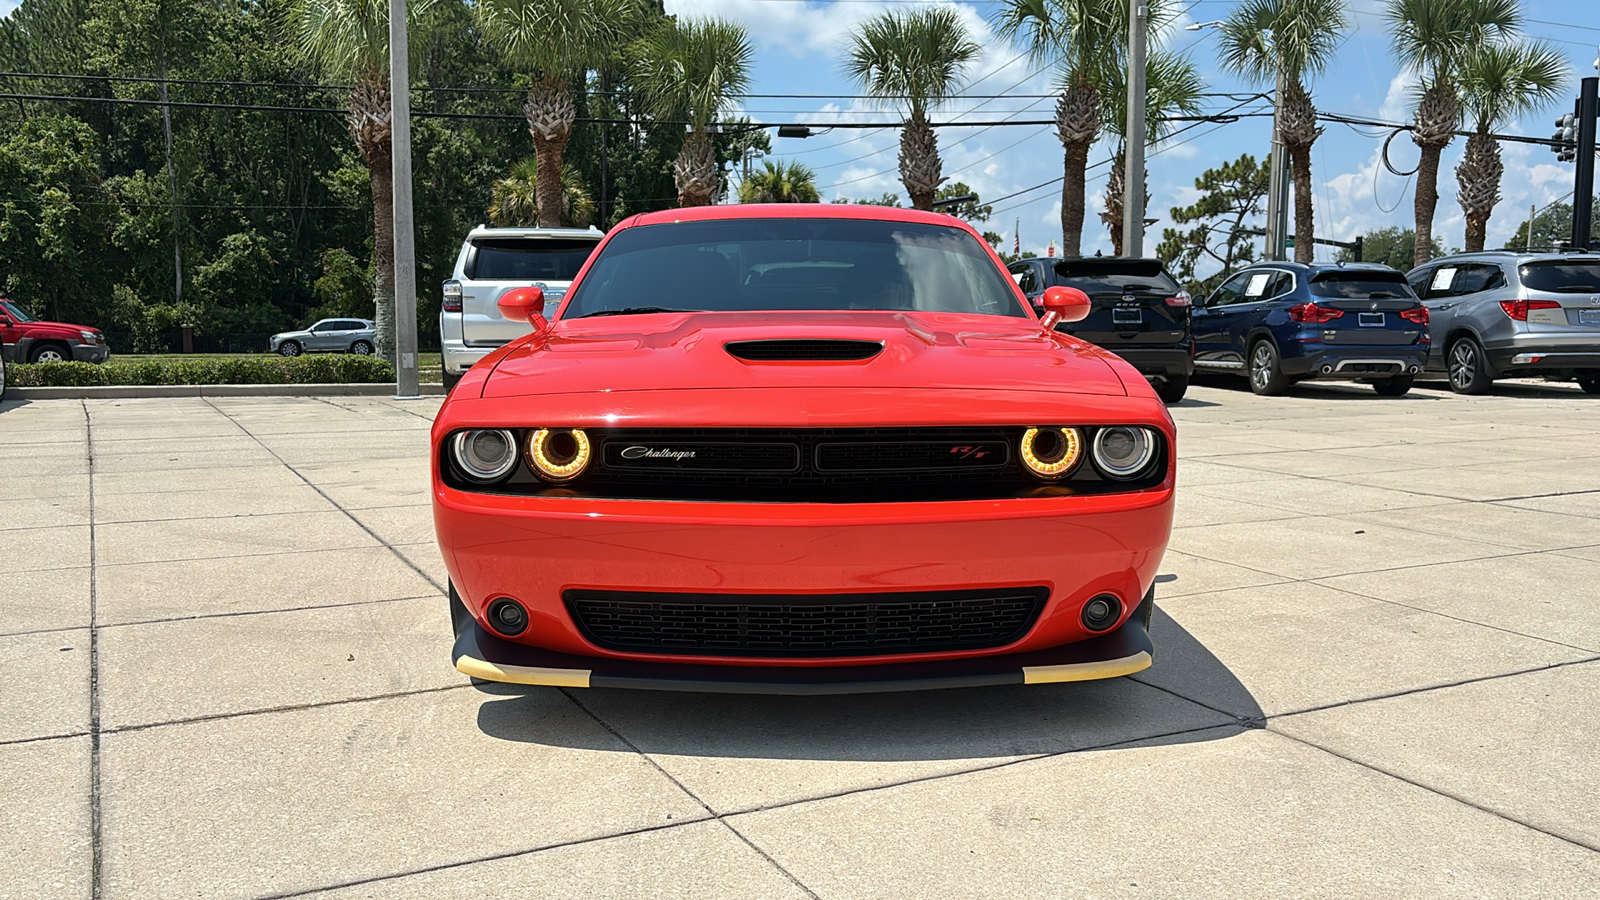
[224, 673]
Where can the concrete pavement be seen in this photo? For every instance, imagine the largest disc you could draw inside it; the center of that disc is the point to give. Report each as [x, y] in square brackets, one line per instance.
[224, 673]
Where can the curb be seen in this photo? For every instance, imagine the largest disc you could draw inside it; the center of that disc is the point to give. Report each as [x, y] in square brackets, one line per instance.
[133, 391]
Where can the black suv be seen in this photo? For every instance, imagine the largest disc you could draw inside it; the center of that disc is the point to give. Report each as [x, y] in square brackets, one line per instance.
[1138, 312]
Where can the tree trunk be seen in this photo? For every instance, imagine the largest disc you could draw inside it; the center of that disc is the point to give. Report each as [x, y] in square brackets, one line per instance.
[1427, 201]
[1433, 127]
[383, 253]
[919, 162]
[1113, 214]
[550, 113]
[1077, 158]
[1478, 178]
[1304, 218]
[694, 172]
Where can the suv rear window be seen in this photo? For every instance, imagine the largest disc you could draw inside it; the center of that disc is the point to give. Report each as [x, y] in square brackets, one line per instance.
[1562, 276]
[534, 259]
[1360, 285]
[1100, 276]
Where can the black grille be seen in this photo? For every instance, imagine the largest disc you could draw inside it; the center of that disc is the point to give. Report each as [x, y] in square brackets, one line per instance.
[769, 351]
[799, 625]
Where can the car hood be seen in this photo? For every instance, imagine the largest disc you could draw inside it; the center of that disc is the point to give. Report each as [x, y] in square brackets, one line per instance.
[291, 334]
[676, 351]
[38, 324]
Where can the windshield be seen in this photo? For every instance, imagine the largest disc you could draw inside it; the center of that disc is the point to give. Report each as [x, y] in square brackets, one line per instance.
[1116, 275]
[795, 264]
[533, 259]
[1563, 276]
[1361, 285]
[16, 314]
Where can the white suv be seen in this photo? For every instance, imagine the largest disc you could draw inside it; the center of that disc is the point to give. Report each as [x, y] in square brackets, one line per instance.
[493, 261]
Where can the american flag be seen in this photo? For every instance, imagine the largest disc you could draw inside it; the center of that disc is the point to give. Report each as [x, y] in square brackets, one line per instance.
[1016, 238]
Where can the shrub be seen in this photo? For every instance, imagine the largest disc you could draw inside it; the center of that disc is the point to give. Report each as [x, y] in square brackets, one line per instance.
[332, 369]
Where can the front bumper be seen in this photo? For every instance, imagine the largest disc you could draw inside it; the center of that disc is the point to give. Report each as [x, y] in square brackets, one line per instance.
[486, 656]
[91, 353]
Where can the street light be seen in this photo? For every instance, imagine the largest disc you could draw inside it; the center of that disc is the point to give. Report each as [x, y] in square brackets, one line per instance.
[1278, 176]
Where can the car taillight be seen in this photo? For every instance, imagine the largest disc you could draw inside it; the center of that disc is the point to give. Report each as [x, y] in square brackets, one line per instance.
[1518, 309]
[1418, 316]
[1182, 299]
[1310, 312]
[452, 296]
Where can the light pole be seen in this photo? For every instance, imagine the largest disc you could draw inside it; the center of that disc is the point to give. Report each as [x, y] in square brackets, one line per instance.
[1133, 159]
[405, 253]
[1276, 243]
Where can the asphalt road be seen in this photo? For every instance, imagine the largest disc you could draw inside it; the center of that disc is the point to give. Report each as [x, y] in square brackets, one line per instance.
[224, 673]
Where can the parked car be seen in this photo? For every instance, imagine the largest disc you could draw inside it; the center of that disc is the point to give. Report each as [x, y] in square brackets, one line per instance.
[491, 262]
[800, 448]
[1139, 312]
[1282, 322]
[357, 336]
[1502, 314]
[26, 339]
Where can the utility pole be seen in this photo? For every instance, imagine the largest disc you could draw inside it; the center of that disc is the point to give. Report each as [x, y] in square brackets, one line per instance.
[405, 253]
[1277, 184]
[1133, 160]
[1583, 186]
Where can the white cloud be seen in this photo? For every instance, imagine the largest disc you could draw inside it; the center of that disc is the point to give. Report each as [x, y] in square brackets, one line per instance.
[1397, 102]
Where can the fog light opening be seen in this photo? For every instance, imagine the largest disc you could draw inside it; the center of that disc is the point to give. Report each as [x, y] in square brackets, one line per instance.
[507, 617]
[1101, 612]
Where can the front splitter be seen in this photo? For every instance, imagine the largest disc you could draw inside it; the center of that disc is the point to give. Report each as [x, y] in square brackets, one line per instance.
[484, 655]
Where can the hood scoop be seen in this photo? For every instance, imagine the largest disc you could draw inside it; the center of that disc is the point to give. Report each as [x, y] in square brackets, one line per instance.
[803, 349]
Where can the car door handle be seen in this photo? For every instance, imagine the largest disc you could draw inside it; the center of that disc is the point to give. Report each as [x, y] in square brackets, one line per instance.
[1444, 306]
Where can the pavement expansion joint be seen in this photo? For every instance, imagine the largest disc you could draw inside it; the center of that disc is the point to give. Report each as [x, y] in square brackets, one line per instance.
[284, 708]
[96, 818]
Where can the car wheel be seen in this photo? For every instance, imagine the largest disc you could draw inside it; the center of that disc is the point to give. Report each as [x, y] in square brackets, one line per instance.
[1468, 375]
[1266, 376]
[1394, 387]
[1589, 383]
[2, 376]
[49, 353]
[361, 348]
[449, 380]
[289, 348]
[1172, 388]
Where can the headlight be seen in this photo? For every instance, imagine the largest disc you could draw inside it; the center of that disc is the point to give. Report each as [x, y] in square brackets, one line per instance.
[558, 454]
[1123, 452]
[1051, 453]
[88, 336]
[485, 454]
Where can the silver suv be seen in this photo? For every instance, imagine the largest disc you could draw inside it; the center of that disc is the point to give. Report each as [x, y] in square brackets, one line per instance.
[493, 261]
[1502, 314]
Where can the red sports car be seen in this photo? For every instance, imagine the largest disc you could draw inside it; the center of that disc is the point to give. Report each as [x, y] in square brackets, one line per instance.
[800, 449]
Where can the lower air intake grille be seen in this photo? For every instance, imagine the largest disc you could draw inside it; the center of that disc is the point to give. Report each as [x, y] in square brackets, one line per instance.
[802, 625]
[769, 351]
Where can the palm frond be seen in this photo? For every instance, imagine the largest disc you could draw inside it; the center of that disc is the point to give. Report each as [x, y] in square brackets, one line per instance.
[1172, 88]
[784, 181]
[556, 39]
[348, 39]
[919, 56]
[1434, 36]
[1504, 80]
[1298, 37]
[697, 69]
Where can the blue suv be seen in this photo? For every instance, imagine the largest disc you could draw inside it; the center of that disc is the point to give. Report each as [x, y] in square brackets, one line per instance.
[1282, 322]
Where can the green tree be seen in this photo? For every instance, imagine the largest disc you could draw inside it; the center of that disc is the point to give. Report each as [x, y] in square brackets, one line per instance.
[1552, 230]
[348, 41]
[560, 42]
[1289, 42]
[973, 210]
[780, 182]
[918, 57]
[1394, 247]
[696, 69]
[1499, 83]
[1434, 38]
[516, 197]
[1172, 88]
[1230, 196]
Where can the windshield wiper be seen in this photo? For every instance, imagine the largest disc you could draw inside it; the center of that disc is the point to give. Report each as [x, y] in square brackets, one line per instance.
[635, 311]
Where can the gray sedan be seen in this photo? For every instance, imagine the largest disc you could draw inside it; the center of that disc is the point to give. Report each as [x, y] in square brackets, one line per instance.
[328, 336]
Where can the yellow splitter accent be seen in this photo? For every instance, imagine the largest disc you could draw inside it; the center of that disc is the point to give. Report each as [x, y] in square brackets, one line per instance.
[488, 671]
[1087, 671]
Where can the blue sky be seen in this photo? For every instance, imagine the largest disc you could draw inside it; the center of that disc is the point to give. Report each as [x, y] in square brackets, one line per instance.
[798, 49]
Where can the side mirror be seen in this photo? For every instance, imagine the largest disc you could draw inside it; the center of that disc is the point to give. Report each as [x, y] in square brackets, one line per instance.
[524, 305]
[1064, 304]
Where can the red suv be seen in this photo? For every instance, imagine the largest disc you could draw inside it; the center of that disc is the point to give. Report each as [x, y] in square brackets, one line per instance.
[26, 339]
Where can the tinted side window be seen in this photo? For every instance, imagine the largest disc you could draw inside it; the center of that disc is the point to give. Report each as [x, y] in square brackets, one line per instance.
[321, 327]
[348, 325]
[1027, 280]
[1477, 277]
[1282, 284]
[1230, 292]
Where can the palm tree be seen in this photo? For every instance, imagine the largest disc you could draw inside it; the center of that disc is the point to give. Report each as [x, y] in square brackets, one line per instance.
[348, 41]
[781, 182]
[1090, 39]
[919, 57]
[697, 70]
[558, 41]
[1172, 87]
[515, 198]
[1499, 83]
[1433, 38]
[1291, 40]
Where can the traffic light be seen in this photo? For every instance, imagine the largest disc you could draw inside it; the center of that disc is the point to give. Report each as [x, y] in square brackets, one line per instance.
[1566, 138]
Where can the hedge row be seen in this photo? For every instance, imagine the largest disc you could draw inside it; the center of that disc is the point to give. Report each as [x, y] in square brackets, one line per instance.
[333, 368]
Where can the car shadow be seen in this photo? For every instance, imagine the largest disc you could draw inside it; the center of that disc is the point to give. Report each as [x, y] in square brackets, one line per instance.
[1183, 697]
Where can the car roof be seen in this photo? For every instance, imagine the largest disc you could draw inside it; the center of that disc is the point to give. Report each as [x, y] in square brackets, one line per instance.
[1517, 255]
[484, 231]
[1316, 266]
[735, 211]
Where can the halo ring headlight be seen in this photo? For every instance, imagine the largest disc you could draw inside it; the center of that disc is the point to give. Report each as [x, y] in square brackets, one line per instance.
[484, 454]
[1123, 452]
[558, 454]
[1051, 453]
